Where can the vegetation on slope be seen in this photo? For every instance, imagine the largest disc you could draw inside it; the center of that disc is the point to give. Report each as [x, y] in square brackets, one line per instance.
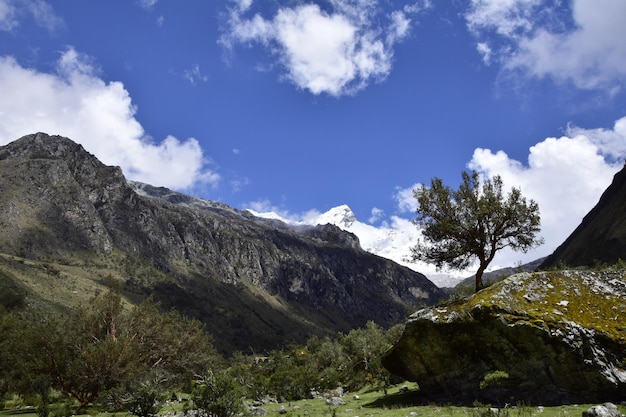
[106, 355]
[111, 355]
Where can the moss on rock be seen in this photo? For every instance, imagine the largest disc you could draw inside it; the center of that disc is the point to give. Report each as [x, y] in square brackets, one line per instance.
[559, 335]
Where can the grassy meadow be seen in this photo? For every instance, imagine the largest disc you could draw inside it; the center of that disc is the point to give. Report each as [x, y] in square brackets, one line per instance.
[397, 402]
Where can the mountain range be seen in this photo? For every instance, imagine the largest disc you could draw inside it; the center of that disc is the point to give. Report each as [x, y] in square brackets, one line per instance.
[73, 227]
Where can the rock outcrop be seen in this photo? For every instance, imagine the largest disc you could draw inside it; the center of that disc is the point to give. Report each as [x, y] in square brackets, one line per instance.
[255, 282]
[542, 338]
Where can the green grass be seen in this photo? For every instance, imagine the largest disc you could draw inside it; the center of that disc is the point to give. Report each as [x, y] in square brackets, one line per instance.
[373, 403]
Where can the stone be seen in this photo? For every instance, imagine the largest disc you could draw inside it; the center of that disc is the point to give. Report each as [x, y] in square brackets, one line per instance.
[335, 401]
[258, 412]
[604, 410]
[497, 346]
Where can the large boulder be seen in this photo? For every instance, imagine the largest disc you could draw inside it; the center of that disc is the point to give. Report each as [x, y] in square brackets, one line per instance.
[542, 338]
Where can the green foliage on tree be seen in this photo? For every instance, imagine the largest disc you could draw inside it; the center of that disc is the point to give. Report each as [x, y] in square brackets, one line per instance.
[294, 375]
[106, 354]
[473, 222]
[331, 361]
[365, 348]
[350, 361]
[103, 349]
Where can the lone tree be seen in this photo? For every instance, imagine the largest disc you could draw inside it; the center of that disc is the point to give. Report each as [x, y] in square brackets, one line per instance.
[474, 221]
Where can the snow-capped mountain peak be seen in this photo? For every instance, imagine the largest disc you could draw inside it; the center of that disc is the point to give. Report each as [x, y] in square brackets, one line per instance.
[341, 216]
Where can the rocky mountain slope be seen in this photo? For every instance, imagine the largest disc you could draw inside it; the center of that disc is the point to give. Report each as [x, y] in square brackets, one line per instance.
[71, 226]
[601, 236]
[389, 241]
[542, 338]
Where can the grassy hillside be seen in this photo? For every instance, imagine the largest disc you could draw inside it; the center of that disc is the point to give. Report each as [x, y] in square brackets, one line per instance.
[266, 321]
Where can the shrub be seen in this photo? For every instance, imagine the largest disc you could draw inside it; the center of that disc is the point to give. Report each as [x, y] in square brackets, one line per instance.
[218, 394]
[145, 400]
[494, 378]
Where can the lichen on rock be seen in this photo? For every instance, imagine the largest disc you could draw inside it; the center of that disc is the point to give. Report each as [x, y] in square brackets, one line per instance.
[560, 336]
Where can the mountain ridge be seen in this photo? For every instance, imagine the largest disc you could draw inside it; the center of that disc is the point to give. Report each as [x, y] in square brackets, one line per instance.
[254, 282]
[393, 243]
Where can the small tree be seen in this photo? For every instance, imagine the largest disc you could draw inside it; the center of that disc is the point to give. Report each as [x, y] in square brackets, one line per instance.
[365, 348]
[473, 222]
[103, 348]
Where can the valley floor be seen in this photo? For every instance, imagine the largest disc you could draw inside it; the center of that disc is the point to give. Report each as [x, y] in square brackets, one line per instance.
[397, 402]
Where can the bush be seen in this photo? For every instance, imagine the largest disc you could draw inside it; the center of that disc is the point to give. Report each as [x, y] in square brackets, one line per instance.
[218, 394]
[494, 378]
[145, 400]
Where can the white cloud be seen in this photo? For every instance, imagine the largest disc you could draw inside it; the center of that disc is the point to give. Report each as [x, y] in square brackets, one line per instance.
[8, 18]
[265, 208]
[508, 18]
[484, 49]
[565, 176]
[610, 142]
[243, 5]
[74, 102]
[195, 75]
[147, 4]
[376, 215]
[582, 44]
[236, 184]
[43, 14]
[336, 53]
[12, 11]
[405, 199]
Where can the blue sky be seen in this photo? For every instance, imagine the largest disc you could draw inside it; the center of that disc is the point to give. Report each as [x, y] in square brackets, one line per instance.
[298, 106]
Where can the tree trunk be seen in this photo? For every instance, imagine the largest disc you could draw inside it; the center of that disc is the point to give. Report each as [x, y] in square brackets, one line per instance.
[479, 276]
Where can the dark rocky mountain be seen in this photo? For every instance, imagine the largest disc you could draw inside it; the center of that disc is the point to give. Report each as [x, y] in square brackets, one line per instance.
[543, 338]
[601, 236]
[71, 226]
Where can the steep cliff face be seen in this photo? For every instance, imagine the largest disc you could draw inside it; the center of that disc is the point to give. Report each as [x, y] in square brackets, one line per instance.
[601, 236]
[253, 281]
[542, 338]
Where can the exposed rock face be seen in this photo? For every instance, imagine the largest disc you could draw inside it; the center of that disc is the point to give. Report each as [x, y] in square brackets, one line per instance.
[601, 236]
[543, 338]
[255, 282]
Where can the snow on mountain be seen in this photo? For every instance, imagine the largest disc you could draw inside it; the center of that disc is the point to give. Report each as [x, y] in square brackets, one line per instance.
[391, 240]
